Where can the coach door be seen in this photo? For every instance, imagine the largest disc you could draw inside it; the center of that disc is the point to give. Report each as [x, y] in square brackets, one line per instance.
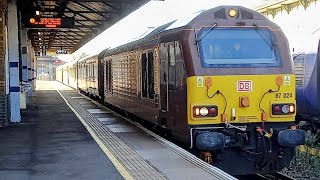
[163, 78]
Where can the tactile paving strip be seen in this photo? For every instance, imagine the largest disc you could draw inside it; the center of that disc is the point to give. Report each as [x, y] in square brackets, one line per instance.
[135, 164]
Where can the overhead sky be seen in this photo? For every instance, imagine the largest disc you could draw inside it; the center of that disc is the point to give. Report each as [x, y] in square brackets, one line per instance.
[155, 13]
[300, 26]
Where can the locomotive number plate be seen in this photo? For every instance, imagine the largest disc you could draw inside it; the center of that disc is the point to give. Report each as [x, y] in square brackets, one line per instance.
[244, 86]
[284, 95]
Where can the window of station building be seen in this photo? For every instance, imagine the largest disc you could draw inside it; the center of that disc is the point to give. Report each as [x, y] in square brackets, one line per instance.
[147, 75]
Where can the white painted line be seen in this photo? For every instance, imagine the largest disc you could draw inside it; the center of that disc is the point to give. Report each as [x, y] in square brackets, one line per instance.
[97, 111]
[77, 97]
[106, 119]
[121, 130]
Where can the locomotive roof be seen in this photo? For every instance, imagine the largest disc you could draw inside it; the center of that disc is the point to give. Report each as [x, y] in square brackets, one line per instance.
[184, 22]
[178, 23]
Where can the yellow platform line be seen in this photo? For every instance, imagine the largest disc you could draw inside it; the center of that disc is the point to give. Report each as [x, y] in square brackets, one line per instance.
[122, 170]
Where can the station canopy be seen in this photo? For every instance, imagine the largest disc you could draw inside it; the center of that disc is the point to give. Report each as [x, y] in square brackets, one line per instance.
[66, 25]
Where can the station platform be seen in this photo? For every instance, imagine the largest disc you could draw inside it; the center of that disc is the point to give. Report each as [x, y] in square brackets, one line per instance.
[64, 135]
[51, 144]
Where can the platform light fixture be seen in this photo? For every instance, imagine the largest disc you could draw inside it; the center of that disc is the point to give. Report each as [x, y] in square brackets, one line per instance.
[37, 13]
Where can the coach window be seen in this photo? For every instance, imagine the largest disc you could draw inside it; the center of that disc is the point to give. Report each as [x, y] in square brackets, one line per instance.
[91, 70]
[147, 75]
[108, 76]
[87, 71]
[93, 67]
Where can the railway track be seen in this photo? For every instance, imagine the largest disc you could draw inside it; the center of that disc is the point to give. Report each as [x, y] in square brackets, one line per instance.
[277, 176]
[272, 176]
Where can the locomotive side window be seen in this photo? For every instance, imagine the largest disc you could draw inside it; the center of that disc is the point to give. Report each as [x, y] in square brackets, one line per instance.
[172, 68]
[144, 74]
[179, 65]
[150, 75]
[172, 56]
[147, 75]
[176, 68]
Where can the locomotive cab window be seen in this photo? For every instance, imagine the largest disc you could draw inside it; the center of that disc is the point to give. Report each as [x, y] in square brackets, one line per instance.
[147, 75]
[235, 47]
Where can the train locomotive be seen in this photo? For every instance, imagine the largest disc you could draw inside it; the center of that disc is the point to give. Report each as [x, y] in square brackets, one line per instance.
[220, 81]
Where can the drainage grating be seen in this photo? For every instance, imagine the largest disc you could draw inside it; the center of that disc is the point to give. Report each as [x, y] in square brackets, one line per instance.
[134, 164]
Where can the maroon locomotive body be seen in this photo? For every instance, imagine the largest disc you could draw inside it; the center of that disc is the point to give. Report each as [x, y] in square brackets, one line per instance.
[164, 78]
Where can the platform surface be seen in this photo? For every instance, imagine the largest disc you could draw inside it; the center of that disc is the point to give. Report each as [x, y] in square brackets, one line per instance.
[51, 144]
[64, 135]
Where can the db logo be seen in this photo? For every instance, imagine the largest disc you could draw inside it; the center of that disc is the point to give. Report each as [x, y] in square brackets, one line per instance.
[244, 86]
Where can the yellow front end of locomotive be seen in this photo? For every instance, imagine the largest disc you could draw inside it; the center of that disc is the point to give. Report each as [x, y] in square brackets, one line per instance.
[241, 99]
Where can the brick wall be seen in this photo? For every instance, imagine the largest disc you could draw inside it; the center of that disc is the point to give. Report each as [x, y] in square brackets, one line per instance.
[3, 12]
[4, 99]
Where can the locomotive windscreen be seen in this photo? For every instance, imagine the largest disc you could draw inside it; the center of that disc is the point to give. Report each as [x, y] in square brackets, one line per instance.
[238, 47]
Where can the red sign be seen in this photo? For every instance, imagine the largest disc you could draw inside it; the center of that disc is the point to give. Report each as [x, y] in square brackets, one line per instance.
[57, 61]
[47, 22]
[244, 86]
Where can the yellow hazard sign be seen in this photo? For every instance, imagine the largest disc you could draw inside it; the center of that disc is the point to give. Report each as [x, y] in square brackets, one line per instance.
[199, 81]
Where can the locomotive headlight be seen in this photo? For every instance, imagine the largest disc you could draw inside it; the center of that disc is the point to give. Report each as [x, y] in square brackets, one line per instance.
[291, 109]
[285, 108]
[204, 111]
[232, 13]
[197, 111]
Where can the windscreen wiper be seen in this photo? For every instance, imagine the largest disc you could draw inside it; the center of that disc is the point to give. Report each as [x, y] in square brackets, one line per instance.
[202, 35]
[263, 35]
